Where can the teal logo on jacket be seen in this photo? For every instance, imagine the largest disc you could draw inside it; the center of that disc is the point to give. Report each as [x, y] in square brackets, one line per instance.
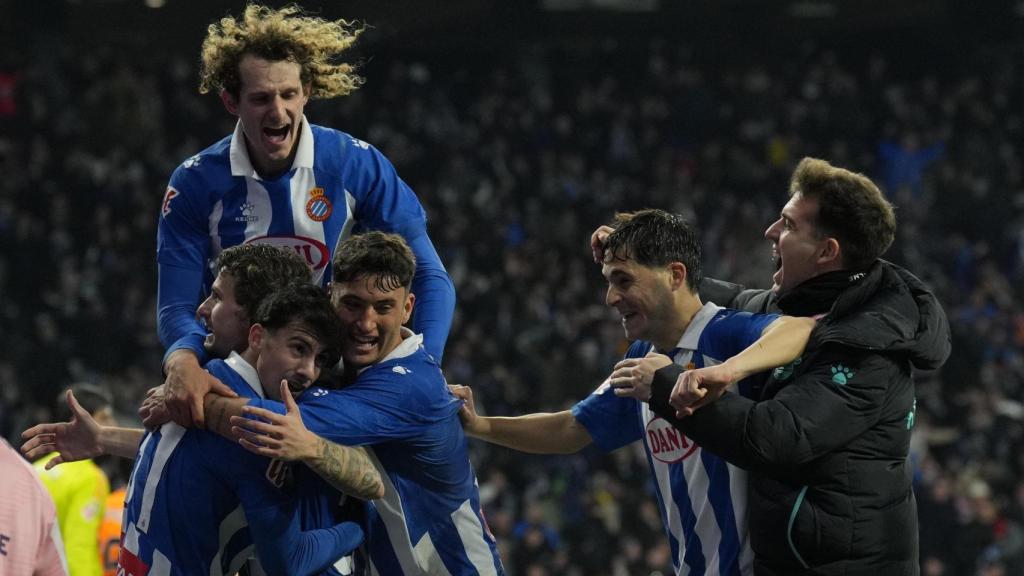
[841, 374]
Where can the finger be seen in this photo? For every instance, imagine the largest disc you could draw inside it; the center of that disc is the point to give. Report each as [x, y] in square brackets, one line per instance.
[39, 429]
[36, 452]
[37, 440]
[259, 427]
[153, 391]
[626, 363]
[221, 389]
[289, 402]
[198, 416]
[256, 448]
[263, 414]
[255, 439]
[625, 392]
[76, 408]
[53, 462]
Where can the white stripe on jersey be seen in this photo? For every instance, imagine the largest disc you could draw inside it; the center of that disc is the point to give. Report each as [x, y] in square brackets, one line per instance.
[161, 565]
[170, 435]
[469, 527]
[350, 221]
[390, 509]
[301, 184]
[230, 526]
[215, 244]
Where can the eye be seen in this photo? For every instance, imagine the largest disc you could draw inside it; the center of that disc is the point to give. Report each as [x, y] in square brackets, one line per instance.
[384, 308]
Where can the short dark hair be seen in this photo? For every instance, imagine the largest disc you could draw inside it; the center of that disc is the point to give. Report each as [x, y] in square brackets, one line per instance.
[92, 398]
[259, 269]
[309, 306]
[379, 254]
[851, 209]
[653, 238]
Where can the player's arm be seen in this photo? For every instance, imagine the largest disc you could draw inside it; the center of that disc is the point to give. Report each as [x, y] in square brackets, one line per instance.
[80, 438]
[543, 433]
[780, 343]
[284, 436]
[182, 252]
[435, 296]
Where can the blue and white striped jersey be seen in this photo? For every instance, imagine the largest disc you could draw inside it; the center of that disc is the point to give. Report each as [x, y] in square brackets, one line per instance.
[337, 185]
[197, 503]
[429, 520]
[703, 498]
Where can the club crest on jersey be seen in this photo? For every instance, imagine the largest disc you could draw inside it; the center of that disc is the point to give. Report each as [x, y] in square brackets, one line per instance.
[667, 444]
[318, 208]
[165, 208]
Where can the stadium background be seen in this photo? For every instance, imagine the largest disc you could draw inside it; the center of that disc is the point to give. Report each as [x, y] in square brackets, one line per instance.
[523, 125]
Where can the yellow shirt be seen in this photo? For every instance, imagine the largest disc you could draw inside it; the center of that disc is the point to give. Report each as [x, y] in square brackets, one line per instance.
[79, 490]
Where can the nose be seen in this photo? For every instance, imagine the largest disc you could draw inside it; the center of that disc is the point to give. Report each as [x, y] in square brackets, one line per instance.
[612, 297]
[772, 233]
[205, 309]
[307, 370]
[279, 109]
[367, 320]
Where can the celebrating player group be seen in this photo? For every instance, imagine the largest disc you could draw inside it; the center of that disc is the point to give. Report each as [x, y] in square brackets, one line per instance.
[304, 425]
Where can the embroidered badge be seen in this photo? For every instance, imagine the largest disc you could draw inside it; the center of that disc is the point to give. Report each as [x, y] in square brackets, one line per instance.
[319, 207]
[841, 374]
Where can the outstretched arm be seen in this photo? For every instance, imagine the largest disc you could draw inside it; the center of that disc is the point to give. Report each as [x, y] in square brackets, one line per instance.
[80, 438]
[435, 297]
[543, 433]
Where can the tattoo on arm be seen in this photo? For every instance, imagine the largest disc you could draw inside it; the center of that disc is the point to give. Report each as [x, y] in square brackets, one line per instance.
[217, 416]
[347, 469]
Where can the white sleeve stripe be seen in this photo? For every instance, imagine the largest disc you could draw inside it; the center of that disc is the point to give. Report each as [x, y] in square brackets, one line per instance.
[58, 545]
[161, 565]
[471, 531]
[131, 480]
[170, 435]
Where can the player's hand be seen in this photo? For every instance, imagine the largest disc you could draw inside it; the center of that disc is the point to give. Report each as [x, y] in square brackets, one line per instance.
[700, 387]
[632, 377]
[153, 411]
[77, 439]
[186, 385]
[597, 242]
[282, 437]
[471, 421]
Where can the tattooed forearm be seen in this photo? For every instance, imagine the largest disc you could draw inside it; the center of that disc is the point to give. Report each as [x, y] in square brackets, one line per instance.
[219, 411]
[347, 469]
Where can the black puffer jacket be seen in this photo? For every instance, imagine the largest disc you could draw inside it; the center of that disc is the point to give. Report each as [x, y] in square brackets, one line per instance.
[826, 446]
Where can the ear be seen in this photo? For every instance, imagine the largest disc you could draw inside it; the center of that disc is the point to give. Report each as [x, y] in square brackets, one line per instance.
[256, 332]
[307, 89]
[678, 274]
[410, 302]
[230, 102]
[831, 253]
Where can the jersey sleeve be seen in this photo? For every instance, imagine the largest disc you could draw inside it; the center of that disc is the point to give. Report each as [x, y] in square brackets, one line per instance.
[386, 203]
[612, 421]
[183, 244]
[368, 412]
[732, 331]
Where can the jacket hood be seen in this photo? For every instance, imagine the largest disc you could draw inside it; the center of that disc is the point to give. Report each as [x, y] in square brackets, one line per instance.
[891, 309]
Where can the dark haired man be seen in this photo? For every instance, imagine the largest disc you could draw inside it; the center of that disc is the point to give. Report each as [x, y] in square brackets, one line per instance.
[652, 265]
[196, 503]
[827, 440]
[398, 407]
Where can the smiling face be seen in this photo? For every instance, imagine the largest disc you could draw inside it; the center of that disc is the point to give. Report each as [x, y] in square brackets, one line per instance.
[799, 252]
[290, 353]
[224, 318]
[643, 297]
[269, 105]
[372, 317]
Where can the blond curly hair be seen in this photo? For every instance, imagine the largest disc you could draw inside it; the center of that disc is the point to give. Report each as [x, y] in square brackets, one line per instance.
[275, 35]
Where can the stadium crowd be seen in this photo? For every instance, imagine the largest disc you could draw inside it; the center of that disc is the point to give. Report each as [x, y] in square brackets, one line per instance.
[517, 157]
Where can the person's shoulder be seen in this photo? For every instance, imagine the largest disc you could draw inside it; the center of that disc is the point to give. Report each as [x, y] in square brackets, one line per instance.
[638, 349]
[213, 162]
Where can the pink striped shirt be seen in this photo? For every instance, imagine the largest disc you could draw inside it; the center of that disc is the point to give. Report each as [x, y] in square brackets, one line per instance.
[30, 543]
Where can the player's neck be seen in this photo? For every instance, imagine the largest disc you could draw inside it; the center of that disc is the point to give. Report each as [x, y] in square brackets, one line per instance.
[686, 307]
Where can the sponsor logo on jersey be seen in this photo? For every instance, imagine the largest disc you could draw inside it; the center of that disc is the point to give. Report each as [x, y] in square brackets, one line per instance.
[359, 143]
[247, 215]
[314, 251]
[193, 161]
[668, 444]
[401, 370]
[318, 208]
[171, 194]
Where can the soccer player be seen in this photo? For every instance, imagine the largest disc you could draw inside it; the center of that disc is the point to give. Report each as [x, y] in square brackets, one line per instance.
[398, 406]
[653, 267]
[30, 540]
[80, 489]
[196, 502]
[281, 180]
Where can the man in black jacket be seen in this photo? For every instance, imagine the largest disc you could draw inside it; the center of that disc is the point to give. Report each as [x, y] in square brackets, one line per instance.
[827, 443]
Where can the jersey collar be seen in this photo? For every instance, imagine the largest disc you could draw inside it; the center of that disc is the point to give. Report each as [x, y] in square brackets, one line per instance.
[691, 336]
[241, 165]
[247, 372]
[410, 343]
